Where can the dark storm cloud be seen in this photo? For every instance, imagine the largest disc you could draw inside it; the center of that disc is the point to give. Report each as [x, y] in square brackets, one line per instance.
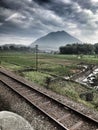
[3, 4]
[43, 1]
[69, 10]
[14, 15]
[80, 12]
[27, 14]
[37, 17]
[87, 4]
[10, 4]
[84, 3]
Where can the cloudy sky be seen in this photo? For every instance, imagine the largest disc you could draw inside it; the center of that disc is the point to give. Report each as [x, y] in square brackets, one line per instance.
[23, 21]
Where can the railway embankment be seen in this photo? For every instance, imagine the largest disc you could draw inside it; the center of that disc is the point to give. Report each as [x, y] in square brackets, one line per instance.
[47, 92]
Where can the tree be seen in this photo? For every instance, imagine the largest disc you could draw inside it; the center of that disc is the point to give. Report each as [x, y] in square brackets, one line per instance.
[78, 49]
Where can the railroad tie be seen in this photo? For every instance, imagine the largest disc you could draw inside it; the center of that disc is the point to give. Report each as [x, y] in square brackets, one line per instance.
[31, 99]
[24, 91]
[64, 117]
[37, 99]
[40, 100]
[31, 95]
[43, 104]
[76, 126]
[52, 112]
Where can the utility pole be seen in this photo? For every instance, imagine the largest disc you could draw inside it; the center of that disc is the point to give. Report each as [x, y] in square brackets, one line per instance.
[36, 49]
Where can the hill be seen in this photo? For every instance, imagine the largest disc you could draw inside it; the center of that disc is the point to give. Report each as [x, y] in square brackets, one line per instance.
[54, 40]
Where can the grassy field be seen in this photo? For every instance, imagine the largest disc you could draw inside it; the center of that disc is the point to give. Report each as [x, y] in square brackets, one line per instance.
[50, 65]
[55, 64]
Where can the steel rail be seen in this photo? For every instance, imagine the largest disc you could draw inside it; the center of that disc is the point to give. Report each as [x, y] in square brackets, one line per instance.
[37, 107]
[85, 117]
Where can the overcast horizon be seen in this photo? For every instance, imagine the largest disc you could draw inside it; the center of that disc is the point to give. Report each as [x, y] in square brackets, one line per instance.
[23, 21]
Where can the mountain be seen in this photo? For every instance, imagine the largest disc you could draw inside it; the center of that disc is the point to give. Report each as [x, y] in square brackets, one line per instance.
[54, 40]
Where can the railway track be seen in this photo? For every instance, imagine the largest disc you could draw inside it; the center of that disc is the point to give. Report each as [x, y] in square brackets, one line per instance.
[64, 116]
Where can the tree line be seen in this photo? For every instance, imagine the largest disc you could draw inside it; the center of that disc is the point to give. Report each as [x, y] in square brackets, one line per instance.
[79, 49]
[16, 48]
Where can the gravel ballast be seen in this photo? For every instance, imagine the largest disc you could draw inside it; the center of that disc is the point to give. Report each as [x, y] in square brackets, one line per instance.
[16, 104]
[36, 119]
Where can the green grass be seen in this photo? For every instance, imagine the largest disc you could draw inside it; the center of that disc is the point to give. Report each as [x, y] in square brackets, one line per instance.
[11, 66]
[65, 88]
[55, 64]
[36, 77]
[18, 60]
[61, 87]
[61, 65]
[68, 88]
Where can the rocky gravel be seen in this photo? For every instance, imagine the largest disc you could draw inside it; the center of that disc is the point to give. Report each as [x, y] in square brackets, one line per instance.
[16, 104]
[38, 120]
[77, 106]
[12, 121]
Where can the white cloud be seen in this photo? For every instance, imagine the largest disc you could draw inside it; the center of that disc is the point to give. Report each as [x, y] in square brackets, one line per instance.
[30, 1]
[94, 1]
[71, 25]
[10, 39]
[66, 1]
[21, 19]
[76, 7]
[11, 17]
[88, 13]
[7, 14]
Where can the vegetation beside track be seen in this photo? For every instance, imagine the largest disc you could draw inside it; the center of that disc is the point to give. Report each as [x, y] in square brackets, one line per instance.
[49, 65]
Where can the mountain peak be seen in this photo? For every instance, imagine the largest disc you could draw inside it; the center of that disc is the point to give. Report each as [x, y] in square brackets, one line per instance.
[53, 40]
[58, 32]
